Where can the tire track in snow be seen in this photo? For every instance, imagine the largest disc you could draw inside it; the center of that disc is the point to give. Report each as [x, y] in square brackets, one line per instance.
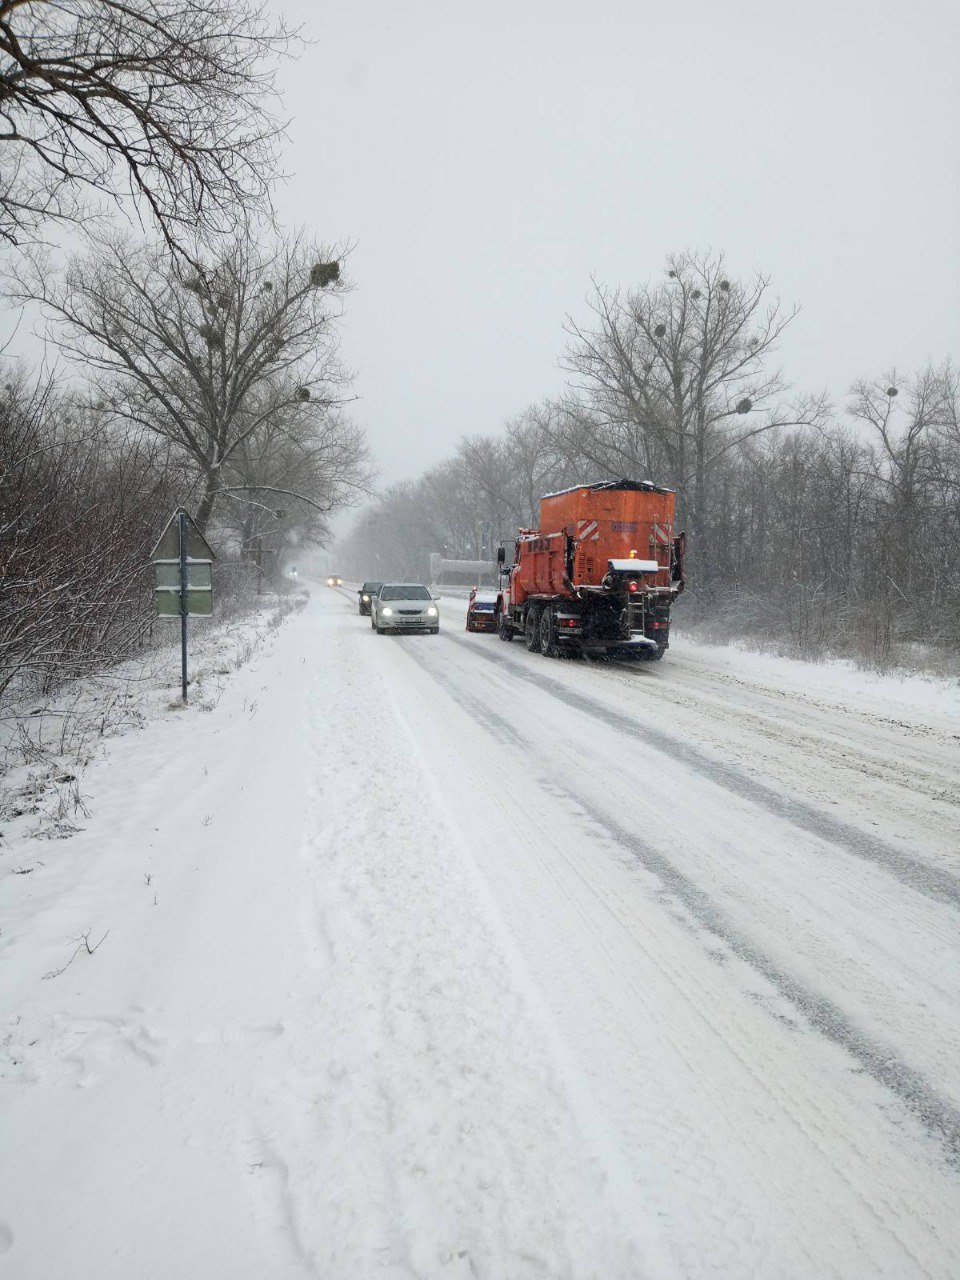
[466, 1154]
[277, 1205]
[933, 882]
[830, 730]
[939, 1117]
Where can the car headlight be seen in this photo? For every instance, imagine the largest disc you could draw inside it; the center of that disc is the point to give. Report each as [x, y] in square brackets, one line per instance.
[386, 612]
[367, 599]
[432, 611]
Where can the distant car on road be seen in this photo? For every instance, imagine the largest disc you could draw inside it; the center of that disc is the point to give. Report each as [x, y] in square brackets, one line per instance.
[366, 592]
[482, 610]
[404, 606]
[334, 582]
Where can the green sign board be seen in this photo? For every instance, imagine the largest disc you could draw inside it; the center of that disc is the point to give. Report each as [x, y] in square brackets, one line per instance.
[167, 562]
[168, 545]
[199, 604]
[199, 575]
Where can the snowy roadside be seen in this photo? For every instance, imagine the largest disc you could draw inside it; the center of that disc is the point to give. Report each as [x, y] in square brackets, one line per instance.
[151, 883]
[838, 680]
[47, 744]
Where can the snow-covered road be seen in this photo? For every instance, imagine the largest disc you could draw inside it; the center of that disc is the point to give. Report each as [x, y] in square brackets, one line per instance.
[428, 957]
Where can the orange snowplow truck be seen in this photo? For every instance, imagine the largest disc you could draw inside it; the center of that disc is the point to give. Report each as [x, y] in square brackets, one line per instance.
[598, 576]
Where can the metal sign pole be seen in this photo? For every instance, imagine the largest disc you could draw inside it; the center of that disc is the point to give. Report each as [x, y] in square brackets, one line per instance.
[182, 520]
[183, 561]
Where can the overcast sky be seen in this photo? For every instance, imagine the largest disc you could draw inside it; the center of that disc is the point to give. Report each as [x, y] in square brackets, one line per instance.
[487, 157]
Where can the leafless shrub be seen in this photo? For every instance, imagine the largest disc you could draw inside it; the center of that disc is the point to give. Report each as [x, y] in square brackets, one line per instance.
[83, 947]
[244, 652]
[78, 509]
[211, 701]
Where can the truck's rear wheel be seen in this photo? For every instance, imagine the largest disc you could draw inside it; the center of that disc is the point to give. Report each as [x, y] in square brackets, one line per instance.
[548, 634]
[531, 628]
[504, 629]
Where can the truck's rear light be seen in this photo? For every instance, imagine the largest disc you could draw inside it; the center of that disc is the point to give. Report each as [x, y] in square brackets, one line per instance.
[631, 586]
[568, 622]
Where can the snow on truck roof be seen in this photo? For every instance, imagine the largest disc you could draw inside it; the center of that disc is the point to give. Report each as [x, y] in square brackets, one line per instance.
[631, 486]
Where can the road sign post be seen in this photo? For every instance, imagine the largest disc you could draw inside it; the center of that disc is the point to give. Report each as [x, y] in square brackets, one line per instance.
[183, 562]
[182, 525]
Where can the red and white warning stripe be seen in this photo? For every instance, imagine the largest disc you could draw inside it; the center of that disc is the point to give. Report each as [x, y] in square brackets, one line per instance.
[661, 535]
[588, 531]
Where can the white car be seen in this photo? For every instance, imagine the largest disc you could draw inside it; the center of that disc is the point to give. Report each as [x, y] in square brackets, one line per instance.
[404, 606]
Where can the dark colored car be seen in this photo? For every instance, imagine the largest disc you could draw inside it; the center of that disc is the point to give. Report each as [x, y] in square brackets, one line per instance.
[366, 591]
[482, 610]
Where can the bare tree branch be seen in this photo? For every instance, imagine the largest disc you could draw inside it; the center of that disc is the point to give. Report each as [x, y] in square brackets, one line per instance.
[166, 103]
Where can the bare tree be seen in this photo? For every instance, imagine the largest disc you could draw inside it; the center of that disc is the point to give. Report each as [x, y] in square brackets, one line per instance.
[535, 464]
[903, 415]
[947, 425]
[217, 359]
[282, 485]
[675, 374]
[486, 468]
[167, 101]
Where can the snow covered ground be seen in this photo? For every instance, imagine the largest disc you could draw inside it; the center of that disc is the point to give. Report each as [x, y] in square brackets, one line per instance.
[428, 957]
